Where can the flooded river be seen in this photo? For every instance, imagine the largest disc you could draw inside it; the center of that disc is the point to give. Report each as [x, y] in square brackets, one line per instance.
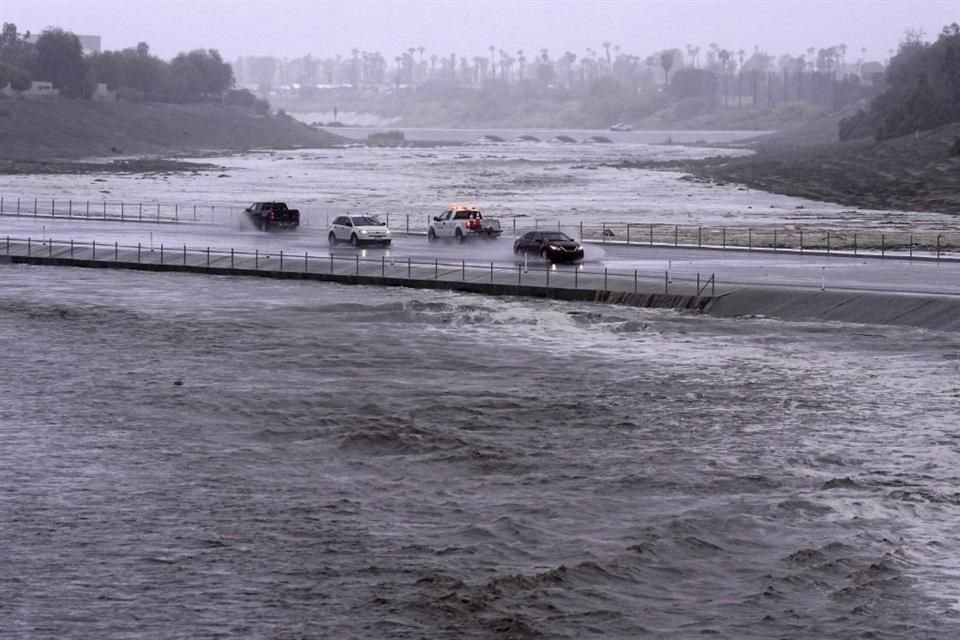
[204, 457]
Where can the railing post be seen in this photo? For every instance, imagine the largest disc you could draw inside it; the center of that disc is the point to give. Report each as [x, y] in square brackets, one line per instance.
[911, 245]
[256, 259]
[281, 259]
[436, 269]
[698, 284]
[408, 261]
[18, 206]
[184, 255]
[750, 239]
[34, 207]
[603, 234]
[138, 250]
[231, 257]
[854, 243]
[723, 241]
[547, 269]
[801, 240]
[604, 278]
[700, 237]
[93, 254]
[938, 247]
[407, 217]
[121, 212]
[774, 240]
[306, 266]
[194, 213]
[208, 257]
[628, 233]
[383, 264]
[634, 280]
[576, 278]
[519, 275]
[104, 209]
[71, 249]
[883, 245]
[828, 241]
[158, 212]
[161, 253]
[331, 264]
[676, 234]
[515, 228]
[666, 282]
[116, 251]
[140, 207]
[53, 208]
[651, 235]
[491, 272]
[176, 213]
[358, 265]
[28, 247]
[463, 272]
[50, 247]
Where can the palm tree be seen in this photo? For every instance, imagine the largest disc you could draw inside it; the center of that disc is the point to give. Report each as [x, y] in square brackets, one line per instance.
[724, 57]
[606, 45]
[740, 55]
[666, 61]
[493, 68]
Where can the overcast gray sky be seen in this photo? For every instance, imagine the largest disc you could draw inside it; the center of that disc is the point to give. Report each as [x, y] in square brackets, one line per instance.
[291, 28]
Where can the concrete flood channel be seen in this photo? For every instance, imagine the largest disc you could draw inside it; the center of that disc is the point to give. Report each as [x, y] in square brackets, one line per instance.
[703, 295]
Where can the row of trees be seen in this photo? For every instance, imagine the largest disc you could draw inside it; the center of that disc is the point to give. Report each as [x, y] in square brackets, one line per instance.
[923, 90]
[569, 71]
[56, 56]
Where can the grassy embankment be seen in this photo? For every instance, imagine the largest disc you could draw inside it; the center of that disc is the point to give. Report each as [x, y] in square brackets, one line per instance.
[54, 136]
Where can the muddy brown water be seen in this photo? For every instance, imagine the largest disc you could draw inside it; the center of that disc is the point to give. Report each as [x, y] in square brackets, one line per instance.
[204, 457]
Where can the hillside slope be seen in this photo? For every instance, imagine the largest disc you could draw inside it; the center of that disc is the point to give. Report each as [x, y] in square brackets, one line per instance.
[67, 129]
[910, 173]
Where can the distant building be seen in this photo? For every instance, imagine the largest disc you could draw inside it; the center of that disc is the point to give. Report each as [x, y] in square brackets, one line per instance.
[102, 94]
[89, 44]
[38, 89]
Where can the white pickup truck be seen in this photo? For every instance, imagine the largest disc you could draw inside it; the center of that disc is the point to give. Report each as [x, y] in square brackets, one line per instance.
[460, 222]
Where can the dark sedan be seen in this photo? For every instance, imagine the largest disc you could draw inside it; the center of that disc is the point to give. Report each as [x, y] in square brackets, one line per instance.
[554, 246]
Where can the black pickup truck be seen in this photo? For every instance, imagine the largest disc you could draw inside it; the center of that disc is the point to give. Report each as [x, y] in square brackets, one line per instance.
[268, 215]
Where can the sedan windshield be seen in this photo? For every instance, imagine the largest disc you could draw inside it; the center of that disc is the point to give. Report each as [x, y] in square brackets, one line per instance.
[365, 221]
[557, 237]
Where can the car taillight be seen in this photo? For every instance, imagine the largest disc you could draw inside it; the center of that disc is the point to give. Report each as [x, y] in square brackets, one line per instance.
[473, 224]
[273, 216]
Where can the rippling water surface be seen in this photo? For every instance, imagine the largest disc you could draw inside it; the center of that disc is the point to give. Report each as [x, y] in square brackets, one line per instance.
[203, 457]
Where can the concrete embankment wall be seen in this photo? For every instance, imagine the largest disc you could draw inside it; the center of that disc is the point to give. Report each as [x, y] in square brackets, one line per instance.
[916, 310]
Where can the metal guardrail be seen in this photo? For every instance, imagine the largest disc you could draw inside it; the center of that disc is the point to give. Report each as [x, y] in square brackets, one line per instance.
[798, 238]
[549, 276]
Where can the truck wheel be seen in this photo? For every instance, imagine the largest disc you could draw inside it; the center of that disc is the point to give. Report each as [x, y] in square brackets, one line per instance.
[332, 239]
[459, 235]
[354, 240]
[431, 234]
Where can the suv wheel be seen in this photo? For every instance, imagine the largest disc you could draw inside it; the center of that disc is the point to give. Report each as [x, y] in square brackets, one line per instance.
[354, 240]
[332, 238]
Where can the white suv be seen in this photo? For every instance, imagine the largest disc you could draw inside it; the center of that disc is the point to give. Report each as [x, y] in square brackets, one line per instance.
[358, 230]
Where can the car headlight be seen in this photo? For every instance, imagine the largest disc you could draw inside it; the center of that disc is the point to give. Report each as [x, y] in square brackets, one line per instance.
[363, 231]
[555, 248]
[386, 231]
